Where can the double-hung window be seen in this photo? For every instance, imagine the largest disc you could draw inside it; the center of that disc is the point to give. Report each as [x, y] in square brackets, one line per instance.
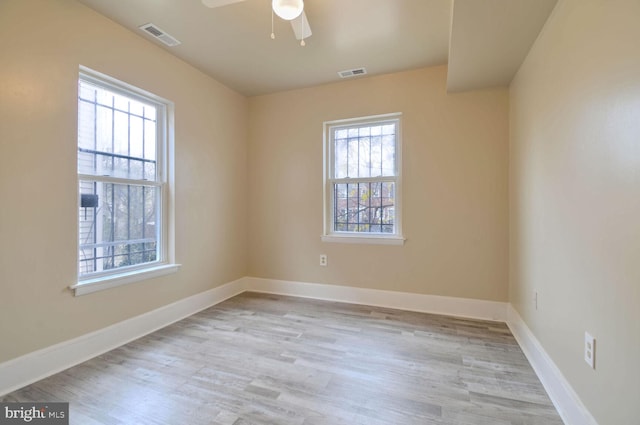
[363, 180]
[122, 179]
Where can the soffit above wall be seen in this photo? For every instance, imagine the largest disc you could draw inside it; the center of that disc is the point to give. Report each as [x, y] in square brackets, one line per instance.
[490, 39]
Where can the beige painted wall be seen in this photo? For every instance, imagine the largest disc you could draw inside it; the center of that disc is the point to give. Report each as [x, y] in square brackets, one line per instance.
[454, 187]
[575, 199]
[42, 42]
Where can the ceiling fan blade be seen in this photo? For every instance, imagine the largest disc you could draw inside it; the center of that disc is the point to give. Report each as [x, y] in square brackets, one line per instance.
[301, 26]
[219, 3]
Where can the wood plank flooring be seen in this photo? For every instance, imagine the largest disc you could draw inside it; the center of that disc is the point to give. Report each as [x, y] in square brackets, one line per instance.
[267, 359]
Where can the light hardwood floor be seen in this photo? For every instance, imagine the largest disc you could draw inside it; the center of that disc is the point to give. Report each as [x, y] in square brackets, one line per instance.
[267, 359]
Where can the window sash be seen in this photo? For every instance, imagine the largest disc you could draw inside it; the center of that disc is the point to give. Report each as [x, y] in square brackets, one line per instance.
[359, 125]
[364, 180]
[369, 214]
[97, 225]
[120, 180]
[146, 99]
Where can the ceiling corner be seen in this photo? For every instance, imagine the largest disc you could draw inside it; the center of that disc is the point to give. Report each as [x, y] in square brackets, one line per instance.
[490, 39]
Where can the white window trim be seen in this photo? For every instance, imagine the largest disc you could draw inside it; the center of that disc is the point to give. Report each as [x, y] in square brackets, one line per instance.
[359, 238]
[89, 286]
[329, 235]
[166, 264]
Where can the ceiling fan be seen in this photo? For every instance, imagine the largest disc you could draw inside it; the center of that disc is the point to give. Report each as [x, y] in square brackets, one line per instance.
[289, 10]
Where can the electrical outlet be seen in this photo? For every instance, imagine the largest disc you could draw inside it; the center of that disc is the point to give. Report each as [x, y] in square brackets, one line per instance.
[590, 350]
[535, 300]
[323, 260]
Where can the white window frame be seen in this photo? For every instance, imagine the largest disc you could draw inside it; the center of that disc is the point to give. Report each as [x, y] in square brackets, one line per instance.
[165, 264]
[329, 235]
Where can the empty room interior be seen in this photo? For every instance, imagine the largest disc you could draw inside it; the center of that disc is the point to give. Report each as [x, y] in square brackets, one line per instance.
[322, 212]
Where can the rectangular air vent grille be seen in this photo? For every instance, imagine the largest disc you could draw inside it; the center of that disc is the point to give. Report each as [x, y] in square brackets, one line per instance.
[159, 34]
[352, 72]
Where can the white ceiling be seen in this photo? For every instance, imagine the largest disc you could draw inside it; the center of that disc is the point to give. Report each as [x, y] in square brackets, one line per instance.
[233, 45]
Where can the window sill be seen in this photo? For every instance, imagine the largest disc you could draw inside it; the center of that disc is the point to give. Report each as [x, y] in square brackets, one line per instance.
[359, 239]
[105, 282]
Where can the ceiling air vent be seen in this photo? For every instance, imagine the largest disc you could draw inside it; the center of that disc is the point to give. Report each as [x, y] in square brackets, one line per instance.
[159, 34]
[352, 72]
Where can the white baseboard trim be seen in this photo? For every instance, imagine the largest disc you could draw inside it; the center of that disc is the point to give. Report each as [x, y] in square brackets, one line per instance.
[449, 306]
[32, 367]
[564, 398]
[37, 365]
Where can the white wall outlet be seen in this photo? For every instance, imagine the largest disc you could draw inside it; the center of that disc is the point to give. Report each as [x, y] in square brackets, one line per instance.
[323, 260]
[590, 350]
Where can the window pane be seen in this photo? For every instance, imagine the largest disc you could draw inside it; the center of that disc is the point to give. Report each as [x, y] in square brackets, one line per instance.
[389, 129]
[120, 133]
[104, 129]
[352, 157]
[376, 156]
[388, 155]
[150, 139]
[136, 108]
[150, 112]
[121, 102]
[340, 158]
[136, 137]
[364, 157]
[87, 92]
[86, 127]
[117, 225]
[364, 207]
[104, 97]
